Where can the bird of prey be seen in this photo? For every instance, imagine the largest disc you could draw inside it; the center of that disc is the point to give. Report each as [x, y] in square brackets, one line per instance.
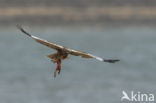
[63, 52]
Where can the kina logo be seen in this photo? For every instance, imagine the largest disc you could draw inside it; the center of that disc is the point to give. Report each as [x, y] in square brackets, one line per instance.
[137, 97]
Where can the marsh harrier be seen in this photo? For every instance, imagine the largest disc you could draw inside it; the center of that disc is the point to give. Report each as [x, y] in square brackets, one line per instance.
[63, 52]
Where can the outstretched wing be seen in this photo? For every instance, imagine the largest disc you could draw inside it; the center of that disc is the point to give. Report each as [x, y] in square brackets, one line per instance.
[68, 50]
[41, 41]
[87, 55]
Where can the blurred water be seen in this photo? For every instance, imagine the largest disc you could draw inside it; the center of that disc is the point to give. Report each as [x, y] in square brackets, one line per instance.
[26, 75]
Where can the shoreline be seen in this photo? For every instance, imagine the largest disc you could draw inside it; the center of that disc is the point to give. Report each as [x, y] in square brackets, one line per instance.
[70, 15]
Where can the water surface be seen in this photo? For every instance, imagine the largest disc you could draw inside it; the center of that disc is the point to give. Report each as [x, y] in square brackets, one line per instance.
[26, 75]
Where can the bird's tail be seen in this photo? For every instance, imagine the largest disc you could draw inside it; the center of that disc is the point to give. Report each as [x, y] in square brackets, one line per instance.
[111, 60]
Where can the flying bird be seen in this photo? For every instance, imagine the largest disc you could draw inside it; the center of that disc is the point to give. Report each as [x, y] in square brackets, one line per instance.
[63, 52]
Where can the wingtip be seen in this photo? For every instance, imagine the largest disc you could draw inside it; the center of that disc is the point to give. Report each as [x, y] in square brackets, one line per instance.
[22, 30]
[111, 60]
[19, 27]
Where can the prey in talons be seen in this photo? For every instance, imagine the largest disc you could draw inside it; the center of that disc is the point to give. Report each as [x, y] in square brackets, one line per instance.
[57, 58]
[58, 68]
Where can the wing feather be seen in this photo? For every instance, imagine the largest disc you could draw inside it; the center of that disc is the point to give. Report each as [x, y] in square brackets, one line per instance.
[78, 53]
[67, 50]
[48, 44]
[87, 55]
[41, 41]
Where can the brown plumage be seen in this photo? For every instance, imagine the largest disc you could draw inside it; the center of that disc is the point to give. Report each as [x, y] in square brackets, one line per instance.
[63, 52]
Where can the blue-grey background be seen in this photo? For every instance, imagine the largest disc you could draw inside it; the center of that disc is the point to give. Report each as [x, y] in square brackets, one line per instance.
[112, 29]
[26, 75]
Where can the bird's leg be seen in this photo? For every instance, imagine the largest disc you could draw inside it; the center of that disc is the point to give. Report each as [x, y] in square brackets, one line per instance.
[58, 68]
